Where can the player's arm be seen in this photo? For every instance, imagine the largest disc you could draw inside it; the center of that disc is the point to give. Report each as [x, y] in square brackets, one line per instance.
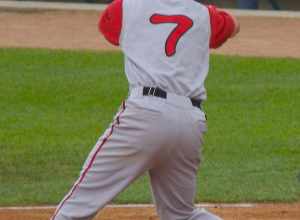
[223, 26]
[110, 22]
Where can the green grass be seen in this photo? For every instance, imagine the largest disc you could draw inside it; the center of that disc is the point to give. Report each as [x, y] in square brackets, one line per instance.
[55, 104]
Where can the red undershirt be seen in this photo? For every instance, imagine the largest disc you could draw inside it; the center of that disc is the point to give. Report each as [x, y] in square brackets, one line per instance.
[110, 24]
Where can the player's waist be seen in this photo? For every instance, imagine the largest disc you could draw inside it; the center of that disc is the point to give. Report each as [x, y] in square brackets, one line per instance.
[169, 97]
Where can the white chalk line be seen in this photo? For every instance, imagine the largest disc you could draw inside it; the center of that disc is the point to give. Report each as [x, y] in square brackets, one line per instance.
[34, 5]
[265, 13]
[203, 205]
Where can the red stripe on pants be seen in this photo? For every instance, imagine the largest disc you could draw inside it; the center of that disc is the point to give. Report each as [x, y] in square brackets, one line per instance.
[99, 147]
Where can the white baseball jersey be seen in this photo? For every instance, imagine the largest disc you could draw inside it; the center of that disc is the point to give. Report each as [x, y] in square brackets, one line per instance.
[166, 45]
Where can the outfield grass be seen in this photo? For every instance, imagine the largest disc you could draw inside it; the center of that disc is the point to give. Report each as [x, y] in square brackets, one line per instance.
[55, 104]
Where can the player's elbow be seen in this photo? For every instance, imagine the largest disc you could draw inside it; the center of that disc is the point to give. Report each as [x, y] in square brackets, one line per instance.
[214, 44]
[237, 28]
[217, 42]
[106, 28]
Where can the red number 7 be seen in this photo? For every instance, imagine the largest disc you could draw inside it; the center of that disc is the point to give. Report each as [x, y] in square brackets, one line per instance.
[183, 22]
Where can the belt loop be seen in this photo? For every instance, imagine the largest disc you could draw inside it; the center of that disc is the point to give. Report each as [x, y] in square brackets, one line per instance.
[154, 91]
[149, 92]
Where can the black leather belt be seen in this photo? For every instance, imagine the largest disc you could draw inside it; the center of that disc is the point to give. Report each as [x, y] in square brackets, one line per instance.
[158, 92]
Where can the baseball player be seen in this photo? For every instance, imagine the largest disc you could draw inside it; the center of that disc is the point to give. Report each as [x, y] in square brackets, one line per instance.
[159, 128]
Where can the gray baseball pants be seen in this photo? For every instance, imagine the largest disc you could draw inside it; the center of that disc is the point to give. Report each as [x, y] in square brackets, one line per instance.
[161, 136]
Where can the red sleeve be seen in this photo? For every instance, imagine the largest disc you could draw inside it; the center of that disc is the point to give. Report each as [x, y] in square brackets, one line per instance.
[110, 23]
[222, 26]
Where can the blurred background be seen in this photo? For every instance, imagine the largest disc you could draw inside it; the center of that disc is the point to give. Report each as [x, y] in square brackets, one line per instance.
[242, 4]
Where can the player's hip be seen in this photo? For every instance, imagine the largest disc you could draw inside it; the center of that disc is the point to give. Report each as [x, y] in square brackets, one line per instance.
[165, 125]
[159, 100]
[173, 111]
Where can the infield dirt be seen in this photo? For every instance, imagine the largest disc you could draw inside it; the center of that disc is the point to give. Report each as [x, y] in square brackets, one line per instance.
[260, 36]
[257, 212]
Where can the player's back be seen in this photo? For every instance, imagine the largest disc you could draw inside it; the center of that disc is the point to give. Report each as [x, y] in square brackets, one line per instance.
[166, 44]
